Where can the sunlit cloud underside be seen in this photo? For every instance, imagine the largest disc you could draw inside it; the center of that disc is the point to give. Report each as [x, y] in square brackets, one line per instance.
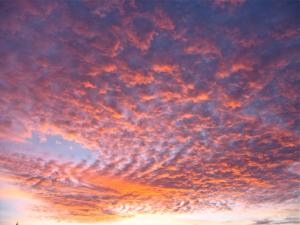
[149, 112]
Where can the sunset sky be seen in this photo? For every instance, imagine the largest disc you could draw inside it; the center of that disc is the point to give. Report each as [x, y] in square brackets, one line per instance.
[150, 112]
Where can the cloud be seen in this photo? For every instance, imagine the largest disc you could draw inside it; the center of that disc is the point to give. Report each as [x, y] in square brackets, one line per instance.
[183, 111]
[288, 220]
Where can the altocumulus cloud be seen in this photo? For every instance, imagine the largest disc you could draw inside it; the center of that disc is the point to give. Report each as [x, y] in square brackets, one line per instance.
[184, 111]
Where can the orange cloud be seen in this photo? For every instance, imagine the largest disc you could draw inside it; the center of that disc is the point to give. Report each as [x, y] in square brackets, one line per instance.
[164, 68]
[175, 111]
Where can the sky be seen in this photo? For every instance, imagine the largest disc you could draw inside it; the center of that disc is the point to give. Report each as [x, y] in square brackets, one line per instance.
[142, 112]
